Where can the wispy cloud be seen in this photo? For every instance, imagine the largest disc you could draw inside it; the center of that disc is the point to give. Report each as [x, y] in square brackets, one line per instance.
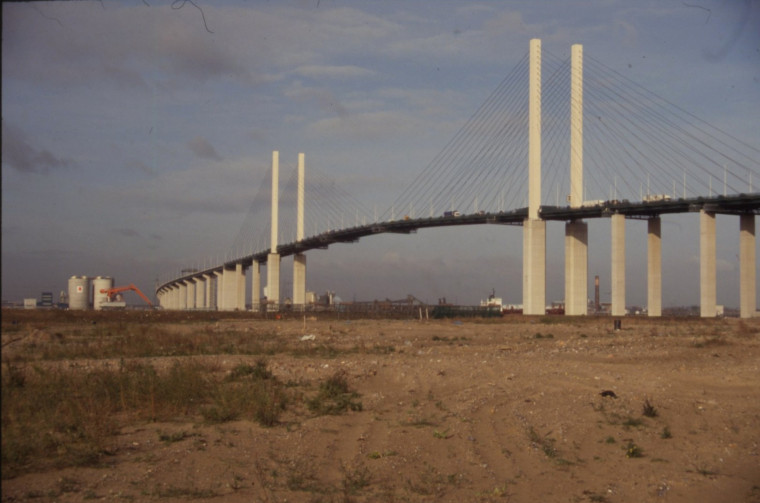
[334, 72]
[21, 155]
[203, 149]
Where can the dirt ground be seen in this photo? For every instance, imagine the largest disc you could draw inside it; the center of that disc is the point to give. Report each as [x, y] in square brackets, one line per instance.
[460, 410]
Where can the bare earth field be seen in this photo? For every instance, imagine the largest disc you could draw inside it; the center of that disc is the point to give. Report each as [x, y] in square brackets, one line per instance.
[451, 410]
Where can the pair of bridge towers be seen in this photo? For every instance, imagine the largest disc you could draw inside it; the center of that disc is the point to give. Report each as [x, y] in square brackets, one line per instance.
[229, 280]
[576, 231]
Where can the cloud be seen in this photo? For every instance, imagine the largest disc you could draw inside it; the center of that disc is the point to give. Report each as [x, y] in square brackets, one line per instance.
[126, 46]
[203, 149]
[366, 126]
[333, 72]
[20, 155]
[127, 233]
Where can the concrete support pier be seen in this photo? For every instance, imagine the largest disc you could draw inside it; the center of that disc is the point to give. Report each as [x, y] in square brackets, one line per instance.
[617, 276]
[240, 284]
[219, 290]
[654, 267]
[534, 267]
[273, 281]
[200, 292]
[229, 289]
[209, 279]
[182, 304]
[255, 286]
[576, 268]
[747, 266]
[299, 280]
[191, 293]
[707, 265]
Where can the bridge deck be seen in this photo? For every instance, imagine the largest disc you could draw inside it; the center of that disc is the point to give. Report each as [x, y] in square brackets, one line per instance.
[734, 205]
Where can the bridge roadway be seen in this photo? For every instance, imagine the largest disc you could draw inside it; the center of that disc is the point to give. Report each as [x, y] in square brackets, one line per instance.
[733, 205]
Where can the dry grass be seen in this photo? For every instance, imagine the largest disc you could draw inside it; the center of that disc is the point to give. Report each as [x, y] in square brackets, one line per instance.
[80, 411]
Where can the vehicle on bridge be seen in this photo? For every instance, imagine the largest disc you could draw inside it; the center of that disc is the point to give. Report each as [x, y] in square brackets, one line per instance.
[453, 213]
[653, 198]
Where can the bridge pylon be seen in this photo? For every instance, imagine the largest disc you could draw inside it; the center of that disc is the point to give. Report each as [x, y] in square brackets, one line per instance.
[273, 259]
[299, 259]
[534, 228]
[576, 231]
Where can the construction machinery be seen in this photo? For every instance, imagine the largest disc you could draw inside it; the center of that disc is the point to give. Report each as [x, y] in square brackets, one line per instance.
[116, 299]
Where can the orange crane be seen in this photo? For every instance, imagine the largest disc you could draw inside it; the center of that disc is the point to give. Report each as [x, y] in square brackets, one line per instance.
[111, 292]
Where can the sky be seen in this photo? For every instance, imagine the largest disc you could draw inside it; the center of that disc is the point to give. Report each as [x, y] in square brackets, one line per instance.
[135, 134]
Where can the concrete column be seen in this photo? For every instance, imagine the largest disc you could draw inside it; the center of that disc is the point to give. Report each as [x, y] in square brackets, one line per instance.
[275, 198]
[747, 266]
[576, 268]
[534, 229]
[255, 286]
[209, 279]
[534, 130]
[273, 259]
[220, 290]
[240, 284]
[299, 259]
[654, 267]
[229, 289]
[576, 126]
[534, 267]
[299, 279]
[273, 281]
[707, 266]
[182, 304]
[617, 277]
[191, 294]
[200, 292]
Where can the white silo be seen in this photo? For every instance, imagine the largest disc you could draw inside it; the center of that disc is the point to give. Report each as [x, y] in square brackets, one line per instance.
[100, 283]
[79, 292]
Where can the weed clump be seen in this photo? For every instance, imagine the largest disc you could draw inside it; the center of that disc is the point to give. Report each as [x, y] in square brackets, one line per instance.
[334, 397]
[633, 451]
[648, 409]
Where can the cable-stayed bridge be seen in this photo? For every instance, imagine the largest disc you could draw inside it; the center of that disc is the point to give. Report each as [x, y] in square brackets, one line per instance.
[559, 139]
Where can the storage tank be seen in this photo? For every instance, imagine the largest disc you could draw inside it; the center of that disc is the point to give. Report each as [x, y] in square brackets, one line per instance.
[100, 283]
[79, 292]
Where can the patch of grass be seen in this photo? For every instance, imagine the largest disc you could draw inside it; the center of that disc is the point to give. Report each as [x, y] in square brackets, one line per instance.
[184, 493]
[545, 443]
[539, 335]
[594, 497]
[260, 400]
[334, 397]
[706, 472]
[442, 434]
[355, 478]
[633, 422]
[648, 409]
[704, 342]
[633, 451]
[379, 349]
[170, 438]
[666, 434]
[609, 440]
[62, 417]
[258, 371]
